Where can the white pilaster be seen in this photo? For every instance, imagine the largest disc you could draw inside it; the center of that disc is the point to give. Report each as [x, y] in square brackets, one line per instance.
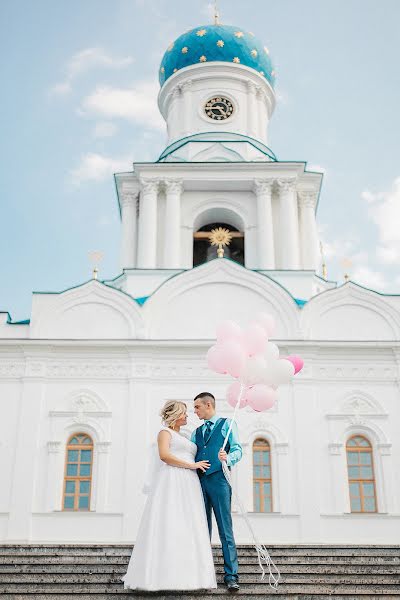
[289, 224]
[129, 229]
[252, 113]
[308, 229]
[186, 90]
[172, 232]
[265, 231]
[147, 238]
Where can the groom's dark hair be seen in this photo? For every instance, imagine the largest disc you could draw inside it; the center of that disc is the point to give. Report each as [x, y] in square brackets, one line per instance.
[203, 395]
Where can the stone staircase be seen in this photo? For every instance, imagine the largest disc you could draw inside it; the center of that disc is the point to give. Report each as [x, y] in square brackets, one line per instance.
[92, 572]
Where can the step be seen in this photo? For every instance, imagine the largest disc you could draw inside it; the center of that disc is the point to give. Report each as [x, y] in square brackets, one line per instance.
[250, 589]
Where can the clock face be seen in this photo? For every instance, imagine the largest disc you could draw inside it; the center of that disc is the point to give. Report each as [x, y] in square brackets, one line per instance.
[218, 109]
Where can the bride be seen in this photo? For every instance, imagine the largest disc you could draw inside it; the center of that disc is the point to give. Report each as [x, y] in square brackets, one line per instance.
[172, 549]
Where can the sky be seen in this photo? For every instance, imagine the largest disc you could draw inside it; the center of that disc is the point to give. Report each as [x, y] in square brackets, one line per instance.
[79, 89]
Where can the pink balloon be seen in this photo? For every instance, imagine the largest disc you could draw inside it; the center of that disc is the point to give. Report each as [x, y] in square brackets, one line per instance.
[296, 361]
[261, 397]
[254, 339]
[232, 395]
[267, 322]
[228, 330]
[234, 357]
[216, 359]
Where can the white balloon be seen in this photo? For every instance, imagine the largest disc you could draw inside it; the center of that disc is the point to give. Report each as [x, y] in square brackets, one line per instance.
[280, 372]
[271, 352]
[253, 370]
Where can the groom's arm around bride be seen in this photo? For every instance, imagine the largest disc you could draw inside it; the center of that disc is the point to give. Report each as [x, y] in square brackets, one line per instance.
[217, 492]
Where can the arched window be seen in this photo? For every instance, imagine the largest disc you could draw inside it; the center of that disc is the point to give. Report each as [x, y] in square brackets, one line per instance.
[78, 472]
[262, 481]
[360, 466]
[203, 251]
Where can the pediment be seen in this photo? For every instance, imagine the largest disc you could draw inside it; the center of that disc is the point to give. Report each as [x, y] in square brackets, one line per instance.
[92, 310]
[191, 304]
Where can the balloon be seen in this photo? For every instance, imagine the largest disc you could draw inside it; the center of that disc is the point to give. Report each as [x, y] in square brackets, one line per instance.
[296, 361]
[271, 352]
[254, 339]
[216, 359]
[253, 370]
[232, 394]
[228, 330]
[261, 397]
[233, 357]
[267, 322]
[280, 371]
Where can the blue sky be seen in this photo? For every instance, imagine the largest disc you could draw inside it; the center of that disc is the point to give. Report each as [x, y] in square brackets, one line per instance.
[79, 103]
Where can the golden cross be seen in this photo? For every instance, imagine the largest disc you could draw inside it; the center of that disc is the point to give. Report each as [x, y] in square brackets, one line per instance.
[216, 13]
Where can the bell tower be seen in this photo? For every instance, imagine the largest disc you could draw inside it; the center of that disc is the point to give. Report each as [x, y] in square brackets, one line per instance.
[218, 171]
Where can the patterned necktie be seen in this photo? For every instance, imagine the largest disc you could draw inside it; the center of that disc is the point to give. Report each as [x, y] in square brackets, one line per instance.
[207, 431]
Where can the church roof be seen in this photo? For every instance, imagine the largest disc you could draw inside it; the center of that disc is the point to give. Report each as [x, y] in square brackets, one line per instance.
[211, 43]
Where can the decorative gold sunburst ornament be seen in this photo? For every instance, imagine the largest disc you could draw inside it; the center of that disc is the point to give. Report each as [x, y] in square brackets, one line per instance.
[220, 237]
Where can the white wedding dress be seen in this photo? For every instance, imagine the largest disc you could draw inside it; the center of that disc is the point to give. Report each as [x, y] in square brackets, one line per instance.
[172, 549]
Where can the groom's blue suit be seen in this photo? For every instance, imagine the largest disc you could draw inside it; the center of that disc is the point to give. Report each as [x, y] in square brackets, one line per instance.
[216, 490]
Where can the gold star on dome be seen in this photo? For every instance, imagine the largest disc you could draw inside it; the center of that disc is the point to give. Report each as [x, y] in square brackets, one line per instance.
[236, 59]
[221, 43]
[175, 70]
[170, 47]
[201, 32]
[262, 73]
[254, 53]
[239, 34]
[203, 58]
[162, 70]
[185, 50]
[266, 50]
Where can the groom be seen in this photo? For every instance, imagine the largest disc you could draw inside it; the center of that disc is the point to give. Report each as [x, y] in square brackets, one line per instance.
[217, 492]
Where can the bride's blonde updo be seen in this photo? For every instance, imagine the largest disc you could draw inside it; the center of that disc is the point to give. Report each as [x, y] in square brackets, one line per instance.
[172, 411]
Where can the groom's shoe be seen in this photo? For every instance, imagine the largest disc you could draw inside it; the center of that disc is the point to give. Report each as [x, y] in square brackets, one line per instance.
[232, 586]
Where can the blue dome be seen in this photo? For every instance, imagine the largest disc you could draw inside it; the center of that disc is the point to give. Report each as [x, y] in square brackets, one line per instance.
[211, 43]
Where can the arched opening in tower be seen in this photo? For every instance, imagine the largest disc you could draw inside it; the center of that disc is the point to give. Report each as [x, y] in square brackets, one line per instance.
[204, 251]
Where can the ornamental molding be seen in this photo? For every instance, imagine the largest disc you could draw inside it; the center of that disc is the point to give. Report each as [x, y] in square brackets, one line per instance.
[307, 199]
[129, 199]
[54, 447]
[149, 186]
[263, 186]
[11, 369]
[173, 186]
[287, 184]
[85, 369]
[357, 408]
[103, 447]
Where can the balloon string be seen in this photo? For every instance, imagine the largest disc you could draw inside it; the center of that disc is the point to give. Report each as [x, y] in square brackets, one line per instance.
[262, 552]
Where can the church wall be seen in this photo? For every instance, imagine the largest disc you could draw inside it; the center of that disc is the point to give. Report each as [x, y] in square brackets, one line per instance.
[115, 393]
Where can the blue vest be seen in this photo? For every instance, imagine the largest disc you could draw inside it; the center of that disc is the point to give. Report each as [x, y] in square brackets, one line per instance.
[208, 450]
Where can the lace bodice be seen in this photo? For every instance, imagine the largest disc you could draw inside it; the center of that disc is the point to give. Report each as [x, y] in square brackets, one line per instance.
[180, 446]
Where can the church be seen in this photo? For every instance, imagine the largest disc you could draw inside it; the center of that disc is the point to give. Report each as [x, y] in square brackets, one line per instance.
[217, 228]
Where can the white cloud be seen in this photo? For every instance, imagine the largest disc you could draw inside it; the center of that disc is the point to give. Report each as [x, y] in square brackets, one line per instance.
[104, 129]
[369, 278]
[137, 104]
[97, 167]
[384, 211]
[86, 60]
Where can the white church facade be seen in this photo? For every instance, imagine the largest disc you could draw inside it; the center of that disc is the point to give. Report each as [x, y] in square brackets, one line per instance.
[83, 380]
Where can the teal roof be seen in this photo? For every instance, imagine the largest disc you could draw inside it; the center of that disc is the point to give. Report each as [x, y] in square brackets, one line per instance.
[211, 43]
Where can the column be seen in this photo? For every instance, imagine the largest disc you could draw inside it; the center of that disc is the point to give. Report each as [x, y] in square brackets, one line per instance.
[28, 452]
[175, 122]
[147, 234]
[172, 227]
[129, 227]
[308, 229]
[265, 231]
[252, 112]
[187, 106]
[289, 224]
